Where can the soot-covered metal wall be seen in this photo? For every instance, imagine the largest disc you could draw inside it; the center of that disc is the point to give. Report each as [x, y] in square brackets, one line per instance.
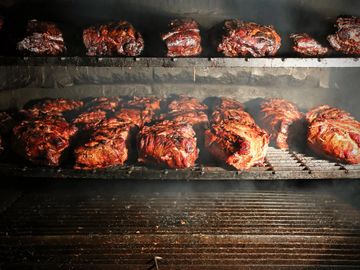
[307, 87]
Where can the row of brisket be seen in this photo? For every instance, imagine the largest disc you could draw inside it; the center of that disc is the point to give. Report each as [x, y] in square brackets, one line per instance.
[238, 38]
[103, 132]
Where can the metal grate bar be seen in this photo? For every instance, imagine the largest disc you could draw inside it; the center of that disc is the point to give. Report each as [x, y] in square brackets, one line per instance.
[279, 164]
[188, 230]
[180, 62]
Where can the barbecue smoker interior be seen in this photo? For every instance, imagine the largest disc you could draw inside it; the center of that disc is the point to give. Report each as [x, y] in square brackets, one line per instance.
[149, 216]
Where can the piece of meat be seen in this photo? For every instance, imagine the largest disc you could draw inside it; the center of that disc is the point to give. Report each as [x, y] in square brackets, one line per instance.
[134, 116]
[53, 107]
[169, 144]
[117, 38]
[243, 38]
[282, 120]
[237, 144]
[107, 146]
[186, 103]
[90, 119]
[347, 37]
[334, 133]
[223, 103]
[232, 114]
[43, 141]
[326, 112]
[43, 38]
[183, 38]
[306, 45]
[144, 103]
[105, 104]
[194, 118]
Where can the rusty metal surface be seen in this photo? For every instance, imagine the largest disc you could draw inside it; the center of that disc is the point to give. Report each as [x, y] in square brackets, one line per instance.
[262, 229]
[279, 165]
[180, 62]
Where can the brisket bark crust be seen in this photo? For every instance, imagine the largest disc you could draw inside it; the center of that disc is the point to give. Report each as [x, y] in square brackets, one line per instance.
[347, 37]
[334, 133]
[106, 147]
[306, 45]
[43, 141]
[233, 137]
[244, 38]
[168, 144]
[283, 121]
[183, 38]
[117, 38]
[43, 38]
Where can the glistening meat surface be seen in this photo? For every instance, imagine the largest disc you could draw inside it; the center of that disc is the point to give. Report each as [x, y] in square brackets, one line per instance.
[53, 107]
[134, 116]
[282, 120]
[183, 38]
[107, 146]
[306, 45]
[244, 38]
[43, 38]
[195, 118]
[43, 141]
[117, 38]
[347, 37]
[168, 144]
[223, 103]
[334, 133]
[239, 145]
[186, 103]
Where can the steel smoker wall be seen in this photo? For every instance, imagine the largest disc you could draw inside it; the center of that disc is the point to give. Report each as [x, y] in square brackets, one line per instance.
[307, 87]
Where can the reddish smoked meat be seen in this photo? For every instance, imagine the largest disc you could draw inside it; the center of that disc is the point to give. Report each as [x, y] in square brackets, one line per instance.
[243, 38]
[234, 138]
[183, 38]
[237, 144]
[118, 38]
[305, 45]
[223, 103]
[232, 114]
[144, 103]
[134, 116]
[282, 120]
[334, 133]
[107, 146]
[186, 103]
[347, 37]
[43, 141]
[169, 144]
[44, 38]
[105, 104]
[90, 119]
[194, 118]
[53, 107]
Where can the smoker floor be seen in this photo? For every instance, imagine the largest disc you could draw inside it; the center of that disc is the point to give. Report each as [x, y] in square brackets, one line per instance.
[257, 229]
[279, 164]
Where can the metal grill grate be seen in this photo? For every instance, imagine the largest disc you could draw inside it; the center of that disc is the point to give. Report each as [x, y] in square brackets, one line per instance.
[188, 230]
[279, 165]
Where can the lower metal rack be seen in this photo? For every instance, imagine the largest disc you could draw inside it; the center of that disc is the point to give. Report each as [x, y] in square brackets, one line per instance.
[279, 164]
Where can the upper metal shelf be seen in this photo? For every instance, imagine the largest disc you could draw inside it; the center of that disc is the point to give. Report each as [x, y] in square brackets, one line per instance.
[180, 62]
